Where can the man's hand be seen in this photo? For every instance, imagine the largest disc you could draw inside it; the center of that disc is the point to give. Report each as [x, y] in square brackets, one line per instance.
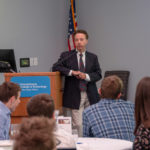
[82, 75]
[78, 74]
[75, 73]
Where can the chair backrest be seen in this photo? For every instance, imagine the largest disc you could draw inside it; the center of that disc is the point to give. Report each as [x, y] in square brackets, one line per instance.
[124, 75]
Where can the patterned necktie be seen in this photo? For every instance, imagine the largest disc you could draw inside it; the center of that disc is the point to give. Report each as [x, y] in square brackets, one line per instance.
[83, 83]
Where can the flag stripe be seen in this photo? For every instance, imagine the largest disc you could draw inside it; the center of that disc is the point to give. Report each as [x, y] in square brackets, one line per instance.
[71, 41]
[69, 47]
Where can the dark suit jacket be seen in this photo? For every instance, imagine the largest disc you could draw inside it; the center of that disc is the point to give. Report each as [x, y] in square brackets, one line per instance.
[68, 61]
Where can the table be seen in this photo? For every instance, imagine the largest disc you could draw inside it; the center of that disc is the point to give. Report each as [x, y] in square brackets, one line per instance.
[86, 144]
[103, 144]
[6, 145]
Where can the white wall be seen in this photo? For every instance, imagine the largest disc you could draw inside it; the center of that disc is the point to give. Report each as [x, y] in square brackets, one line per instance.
[119, 34]
[34, 28]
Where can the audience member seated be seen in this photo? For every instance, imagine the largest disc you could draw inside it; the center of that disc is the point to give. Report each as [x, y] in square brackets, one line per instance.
[35, 133]
[43, 105]
[9, 100]
[142, 115]
[111, 117]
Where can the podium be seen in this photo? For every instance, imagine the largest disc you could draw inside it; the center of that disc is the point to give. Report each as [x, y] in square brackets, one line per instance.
[55, 91]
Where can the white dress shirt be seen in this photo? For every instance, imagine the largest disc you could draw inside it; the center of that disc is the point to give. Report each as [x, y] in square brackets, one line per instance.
[83, 58]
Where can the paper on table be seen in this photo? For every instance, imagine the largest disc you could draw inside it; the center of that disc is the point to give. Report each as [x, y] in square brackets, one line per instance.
[64, 123]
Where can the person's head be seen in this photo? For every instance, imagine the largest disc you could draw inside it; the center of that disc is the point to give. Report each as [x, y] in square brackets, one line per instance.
[35, 133]
[80, 39]
[41, 105]
[142, 103]
[10, 94]
[111, 87]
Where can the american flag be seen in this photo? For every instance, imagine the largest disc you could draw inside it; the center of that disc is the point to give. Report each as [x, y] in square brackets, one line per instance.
[72, 25]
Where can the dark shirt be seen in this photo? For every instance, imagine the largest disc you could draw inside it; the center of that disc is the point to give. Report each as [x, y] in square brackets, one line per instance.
[142, 138]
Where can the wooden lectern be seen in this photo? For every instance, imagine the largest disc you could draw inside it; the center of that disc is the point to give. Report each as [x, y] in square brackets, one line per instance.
[56, 92]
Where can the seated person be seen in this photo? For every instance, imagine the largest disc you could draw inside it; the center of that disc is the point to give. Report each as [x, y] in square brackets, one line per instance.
[9, 100]
[35, 133]
[111, 117]
[43, 105]
[142, 115]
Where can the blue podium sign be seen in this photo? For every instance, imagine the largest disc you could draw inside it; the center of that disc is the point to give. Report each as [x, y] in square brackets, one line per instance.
[33, 85]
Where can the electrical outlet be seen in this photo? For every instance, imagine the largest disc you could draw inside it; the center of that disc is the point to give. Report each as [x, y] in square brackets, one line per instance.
[31, 61]
[35, 61]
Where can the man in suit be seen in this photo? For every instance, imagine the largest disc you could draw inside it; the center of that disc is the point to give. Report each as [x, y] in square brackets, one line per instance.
[81, 70]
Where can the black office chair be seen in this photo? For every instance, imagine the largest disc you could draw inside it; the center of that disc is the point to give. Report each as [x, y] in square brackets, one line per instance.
[124, 75]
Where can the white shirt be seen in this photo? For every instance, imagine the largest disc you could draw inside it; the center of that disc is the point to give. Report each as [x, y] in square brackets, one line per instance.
[83, 58]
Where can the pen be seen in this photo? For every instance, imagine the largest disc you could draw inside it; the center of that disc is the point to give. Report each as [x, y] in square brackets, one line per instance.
[79, 143]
